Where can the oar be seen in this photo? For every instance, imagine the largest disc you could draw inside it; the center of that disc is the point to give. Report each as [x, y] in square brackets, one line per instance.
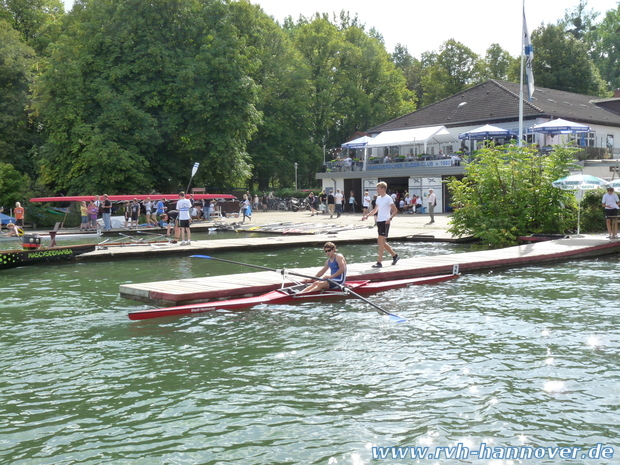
[393, 317]
[150, 233]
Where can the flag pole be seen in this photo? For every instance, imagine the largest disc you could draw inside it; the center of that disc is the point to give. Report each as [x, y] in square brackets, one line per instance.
[527, 58]
[521, 77]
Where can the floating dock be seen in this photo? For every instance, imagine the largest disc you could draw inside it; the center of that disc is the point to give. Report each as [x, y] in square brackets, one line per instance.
[185, 291]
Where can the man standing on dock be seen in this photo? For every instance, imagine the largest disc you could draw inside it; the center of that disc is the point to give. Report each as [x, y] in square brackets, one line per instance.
[385, 209]
[183, 207]
[106, 207]
[610, 204]
[432, 203]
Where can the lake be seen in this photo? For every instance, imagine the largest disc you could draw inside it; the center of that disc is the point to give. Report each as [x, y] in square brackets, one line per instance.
[525, 357]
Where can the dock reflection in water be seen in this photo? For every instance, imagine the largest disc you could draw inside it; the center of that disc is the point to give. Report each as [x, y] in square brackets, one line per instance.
[526, 356]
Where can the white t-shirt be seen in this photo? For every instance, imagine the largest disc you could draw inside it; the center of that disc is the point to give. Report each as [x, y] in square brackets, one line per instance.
[384, 207]
[367, 201]
[611, 201]
[432, 199]
[183, 206]
[338, 198]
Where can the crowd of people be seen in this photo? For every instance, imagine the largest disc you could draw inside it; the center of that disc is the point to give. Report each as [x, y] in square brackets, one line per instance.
[336, 203]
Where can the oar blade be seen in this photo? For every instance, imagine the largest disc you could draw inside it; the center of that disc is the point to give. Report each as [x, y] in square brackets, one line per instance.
[200, 256]
[396, 318]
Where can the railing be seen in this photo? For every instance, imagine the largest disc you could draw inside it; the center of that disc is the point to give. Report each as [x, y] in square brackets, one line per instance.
[339, 166]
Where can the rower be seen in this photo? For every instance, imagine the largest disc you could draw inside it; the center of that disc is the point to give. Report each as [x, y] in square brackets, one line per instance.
[337, 275]
[14, 231]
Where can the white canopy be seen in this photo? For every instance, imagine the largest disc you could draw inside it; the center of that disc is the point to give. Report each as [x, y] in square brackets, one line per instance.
[487, 132]
[360, 142]
[561, 126]
[411, 137]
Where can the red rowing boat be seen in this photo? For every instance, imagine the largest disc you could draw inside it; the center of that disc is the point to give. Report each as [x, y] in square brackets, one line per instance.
[116, 198]
[287, 295]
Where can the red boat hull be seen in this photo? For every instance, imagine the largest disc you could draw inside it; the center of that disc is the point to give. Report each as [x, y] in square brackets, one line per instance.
[115, 198]
[286, 295]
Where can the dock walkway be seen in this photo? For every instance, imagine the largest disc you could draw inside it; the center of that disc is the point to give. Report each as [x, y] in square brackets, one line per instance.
[183, 291]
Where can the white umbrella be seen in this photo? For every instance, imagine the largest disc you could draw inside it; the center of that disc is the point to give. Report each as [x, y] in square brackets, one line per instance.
[358, 143]
[486, 132]
[579, 183]
[561, 126]
[615, 184]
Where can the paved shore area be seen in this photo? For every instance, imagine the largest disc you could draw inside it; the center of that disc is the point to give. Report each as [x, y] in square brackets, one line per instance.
[402, 224]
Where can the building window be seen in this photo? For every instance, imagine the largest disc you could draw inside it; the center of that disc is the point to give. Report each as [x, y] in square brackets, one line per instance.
[583, 140]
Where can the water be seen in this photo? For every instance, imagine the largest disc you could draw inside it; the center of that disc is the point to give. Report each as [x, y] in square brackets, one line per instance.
[527, 356]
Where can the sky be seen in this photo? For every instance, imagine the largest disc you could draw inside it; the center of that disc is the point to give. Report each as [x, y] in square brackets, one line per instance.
[424, 25]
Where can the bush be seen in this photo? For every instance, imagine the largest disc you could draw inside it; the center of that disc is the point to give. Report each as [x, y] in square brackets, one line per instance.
[592, 214]
[508, 193]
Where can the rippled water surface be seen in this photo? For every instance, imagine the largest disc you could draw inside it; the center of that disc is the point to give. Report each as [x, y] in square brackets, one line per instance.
[526, 356]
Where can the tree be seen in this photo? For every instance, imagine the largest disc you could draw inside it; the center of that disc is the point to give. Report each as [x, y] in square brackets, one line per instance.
[12, 185]
[455, 68]
[355, 83]
[507, 193]
[17, 134]
[284, 136]
[579, 22]
[412, 69]
[498, 63]
[38, 21]
[136, 92]
[561, 62]
[606, 47]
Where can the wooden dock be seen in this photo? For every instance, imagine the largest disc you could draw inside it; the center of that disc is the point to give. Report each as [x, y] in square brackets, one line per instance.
[258, 243]
[182, 291]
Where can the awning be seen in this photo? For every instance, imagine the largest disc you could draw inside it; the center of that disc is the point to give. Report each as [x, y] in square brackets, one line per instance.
[411, 136]
[486, 132]
[358, 143]
[6, 219]
[561, 126]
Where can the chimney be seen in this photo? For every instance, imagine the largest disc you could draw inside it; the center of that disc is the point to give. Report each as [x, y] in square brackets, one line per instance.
[617, 93]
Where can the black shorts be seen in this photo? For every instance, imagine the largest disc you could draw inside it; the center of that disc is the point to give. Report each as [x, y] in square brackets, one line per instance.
[333, 284]
[183, 223]
[134, 216]
[383, 228]
[611, 212]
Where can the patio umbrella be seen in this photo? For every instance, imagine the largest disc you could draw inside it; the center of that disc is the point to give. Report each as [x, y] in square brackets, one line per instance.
[6, 219]
[579, 183]
[615, 184]
[560, 126]
[358, 143]
[486, 132]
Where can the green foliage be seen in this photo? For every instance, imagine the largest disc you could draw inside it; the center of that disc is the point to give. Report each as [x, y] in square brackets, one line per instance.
[355, 85]
[298, 194]
[456, 68]
[498, 63]
[136, 92]
[507, 192]
[605, 43]
[561, 62]
[13, 185]
[592, 212]
[284, 135]
[37, 21]
[17, 136]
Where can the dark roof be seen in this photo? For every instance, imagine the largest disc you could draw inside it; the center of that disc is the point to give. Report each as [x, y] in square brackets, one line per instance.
[498, 101]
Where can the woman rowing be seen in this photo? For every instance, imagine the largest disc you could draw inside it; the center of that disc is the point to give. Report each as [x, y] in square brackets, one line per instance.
[337, 266]
[14, 231]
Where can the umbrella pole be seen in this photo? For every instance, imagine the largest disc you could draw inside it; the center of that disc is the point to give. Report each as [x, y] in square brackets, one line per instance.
[578, 216]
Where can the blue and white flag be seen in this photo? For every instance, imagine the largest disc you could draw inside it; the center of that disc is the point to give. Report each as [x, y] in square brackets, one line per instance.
[528, 52]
